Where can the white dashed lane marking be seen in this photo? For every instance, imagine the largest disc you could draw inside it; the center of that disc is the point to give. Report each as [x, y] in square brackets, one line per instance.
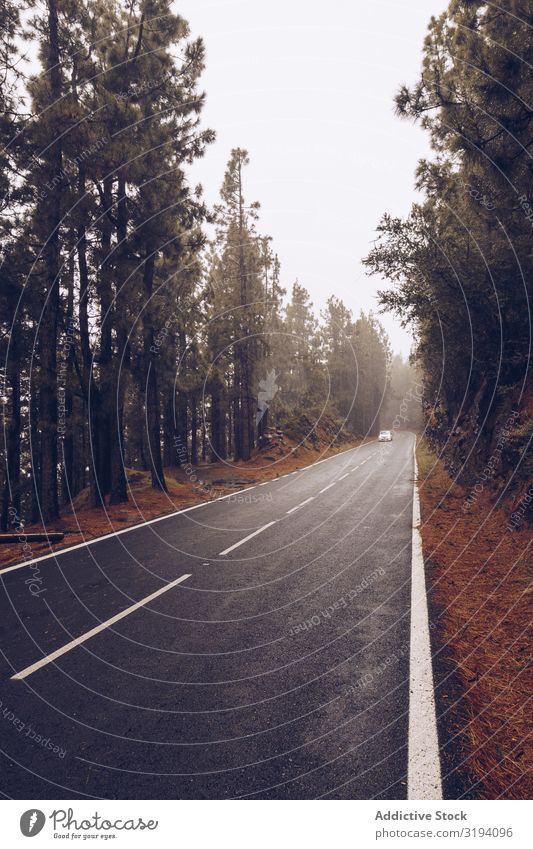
[298, 506]
[242, 541]
[49, 658]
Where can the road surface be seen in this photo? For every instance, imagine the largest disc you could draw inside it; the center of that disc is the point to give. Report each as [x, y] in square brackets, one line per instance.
[253, 647]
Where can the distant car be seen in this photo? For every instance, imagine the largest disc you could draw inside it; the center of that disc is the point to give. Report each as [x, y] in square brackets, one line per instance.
[385, 436]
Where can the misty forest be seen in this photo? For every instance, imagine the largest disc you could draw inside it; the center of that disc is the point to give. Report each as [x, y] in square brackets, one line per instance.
[138, 324]
[360, 629]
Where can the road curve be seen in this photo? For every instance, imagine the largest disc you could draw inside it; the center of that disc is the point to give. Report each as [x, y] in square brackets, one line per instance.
[255, 647]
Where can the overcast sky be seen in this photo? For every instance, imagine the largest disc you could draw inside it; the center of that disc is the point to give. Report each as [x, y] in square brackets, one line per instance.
[307, 88]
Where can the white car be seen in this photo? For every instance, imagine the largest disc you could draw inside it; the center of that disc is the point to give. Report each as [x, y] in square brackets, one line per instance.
[385, 436]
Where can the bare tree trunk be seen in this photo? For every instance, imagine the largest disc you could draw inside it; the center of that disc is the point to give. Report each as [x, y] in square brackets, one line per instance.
[11, 491]
[182, 425]
[66, 370]
[34, 448]
[48, 491]
[245, 407]
[115, 407]
[243, 343]
[218, 436]
[169, 433]
[103, 406]
[91, 392]
[230, 431]
[204, 441]
[83, 453]
[194, 431]
[237, 417]
[153, 415]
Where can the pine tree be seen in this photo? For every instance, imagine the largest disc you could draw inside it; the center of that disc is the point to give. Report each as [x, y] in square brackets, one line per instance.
[461, 264]
[240, 254]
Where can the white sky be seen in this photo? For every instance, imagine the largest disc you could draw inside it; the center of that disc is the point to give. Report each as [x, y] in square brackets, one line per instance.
[307, 88]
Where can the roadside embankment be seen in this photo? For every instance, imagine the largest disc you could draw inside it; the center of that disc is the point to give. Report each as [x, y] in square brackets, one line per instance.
[479, 569]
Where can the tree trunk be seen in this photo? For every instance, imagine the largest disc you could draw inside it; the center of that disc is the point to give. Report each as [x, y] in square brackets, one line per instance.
[11, 492]
[230, 431]
[153, 416]
[245, 407]
[237, 418]
[169, 433]
[91, 392]
[217, 427]
[34, 443]
[181, 405]
[115, 400]
[142, 451]
[103, 406]
[66, 368]
[204, 441]
[48, 491]
[83, 452]
[194, 431]
[243, 352]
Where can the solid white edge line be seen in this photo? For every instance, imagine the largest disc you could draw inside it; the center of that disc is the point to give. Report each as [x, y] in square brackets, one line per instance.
[49, 658]
[423, 769]
[293, 510]
[89, 542]
[220, 498]
[242, 541]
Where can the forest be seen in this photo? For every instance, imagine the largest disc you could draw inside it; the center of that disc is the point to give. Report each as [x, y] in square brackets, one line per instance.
[460, 266]
[359, 629]
[141, 329]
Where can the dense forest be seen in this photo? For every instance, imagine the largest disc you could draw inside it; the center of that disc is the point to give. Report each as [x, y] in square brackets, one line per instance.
[461, 264]
[141, 329]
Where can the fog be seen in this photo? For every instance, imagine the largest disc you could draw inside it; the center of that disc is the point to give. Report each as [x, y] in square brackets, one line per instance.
[307, 88]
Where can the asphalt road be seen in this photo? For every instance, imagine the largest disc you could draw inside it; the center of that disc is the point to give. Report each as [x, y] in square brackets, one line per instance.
[277, 670]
